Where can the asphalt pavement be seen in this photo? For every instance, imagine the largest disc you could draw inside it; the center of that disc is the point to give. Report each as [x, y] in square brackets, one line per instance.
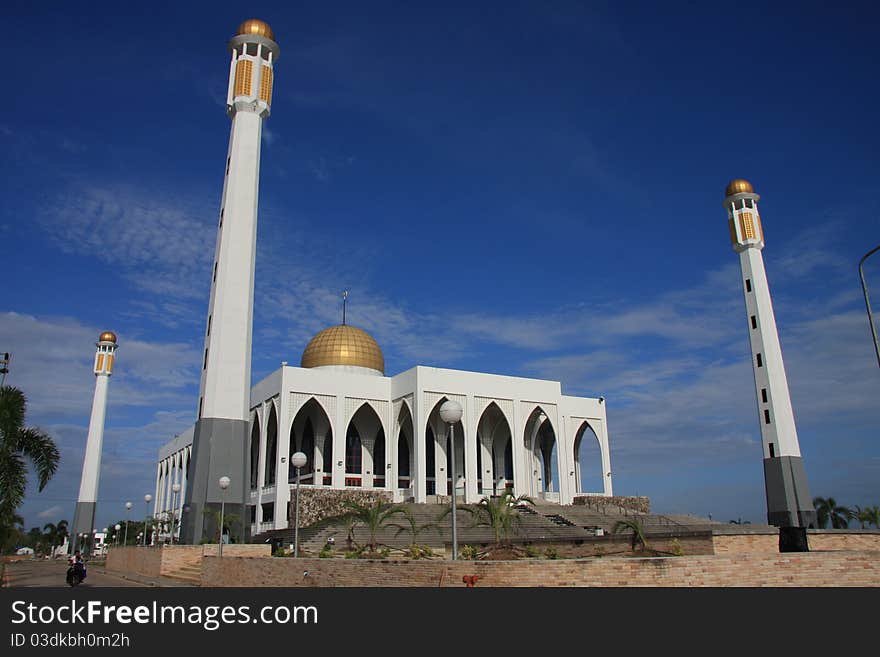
[41, 573]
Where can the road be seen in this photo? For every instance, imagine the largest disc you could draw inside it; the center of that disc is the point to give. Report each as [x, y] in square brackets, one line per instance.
[40, 573]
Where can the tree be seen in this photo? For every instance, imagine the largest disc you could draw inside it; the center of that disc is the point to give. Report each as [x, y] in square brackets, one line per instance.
[372, 516]
[19, 444]
[637, 540]
[499, 513]
[11, 533]
[828, 509]
[54, 535]
[870, 515]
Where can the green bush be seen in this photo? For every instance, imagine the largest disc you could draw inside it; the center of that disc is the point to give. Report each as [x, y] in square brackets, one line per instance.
[326, 552]
[531, 551]
[467, 552]
[418, 551]
[551, 553]
[676, 548]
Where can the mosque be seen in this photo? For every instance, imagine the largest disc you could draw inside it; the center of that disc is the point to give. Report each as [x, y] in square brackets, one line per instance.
[360, 429]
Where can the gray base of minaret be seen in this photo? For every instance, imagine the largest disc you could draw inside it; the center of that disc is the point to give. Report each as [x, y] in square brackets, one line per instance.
[220, 449]
[83, 523]
[788, 498]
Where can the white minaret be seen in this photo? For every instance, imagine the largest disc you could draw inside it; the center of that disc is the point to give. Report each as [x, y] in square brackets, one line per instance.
[220, 440]
[84, 516]
[788, 498]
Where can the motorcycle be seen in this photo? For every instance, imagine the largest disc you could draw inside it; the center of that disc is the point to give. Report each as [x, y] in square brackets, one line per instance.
[76, 573]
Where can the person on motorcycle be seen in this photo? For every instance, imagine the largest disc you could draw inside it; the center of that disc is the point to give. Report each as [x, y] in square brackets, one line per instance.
[77, 568]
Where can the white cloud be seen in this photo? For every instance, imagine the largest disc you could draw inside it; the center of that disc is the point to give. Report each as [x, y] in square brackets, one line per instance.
[51, 512]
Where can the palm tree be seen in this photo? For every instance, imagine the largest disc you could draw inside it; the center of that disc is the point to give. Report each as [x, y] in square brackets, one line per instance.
[870, 515]
[828, 509]
[17, 443]
[634, 526]
[372, 516]
[412, 525]
[499, 513]
[11, 532]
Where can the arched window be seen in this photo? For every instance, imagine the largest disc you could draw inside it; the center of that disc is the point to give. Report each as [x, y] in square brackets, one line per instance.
[308, 448]
[403, 456]
[379, 459]
[271, 447]
[327, 465]
[430, 466]
[353, 455]
[255, 453]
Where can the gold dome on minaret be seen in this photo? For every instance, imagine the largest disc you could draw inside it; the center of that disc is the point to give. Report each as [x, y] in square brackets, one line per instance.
[739, 186]
[343, 345]
[107, 336]
[256, 26]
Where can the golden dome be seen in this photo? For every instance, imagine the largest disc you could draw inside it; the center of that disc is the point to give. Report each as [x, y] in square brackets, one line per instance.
[256, 26]
[343, 345]
[107, 336]
[738, 186]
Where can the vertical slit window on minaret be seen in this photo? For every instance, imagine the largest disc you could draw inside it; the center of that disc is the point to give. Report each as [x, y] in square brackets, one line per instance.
[748, 285]
[209, 325]
[766, 416]
[215, 273]
[760, 360]
[754, 322]
[205, 364]
[772, 450]
[764, 395]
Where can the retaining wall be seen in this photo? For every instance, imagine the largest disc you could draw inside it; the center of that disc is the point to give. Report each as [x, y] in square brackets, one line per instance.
[792, 569]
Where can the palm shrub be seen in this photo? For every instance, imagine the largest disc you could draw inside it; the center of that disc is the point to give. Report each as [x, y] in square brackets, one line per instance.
[412, 525]
[499, 513]
[870, 515]
[18, 444]
[372, 516]
[637, 540]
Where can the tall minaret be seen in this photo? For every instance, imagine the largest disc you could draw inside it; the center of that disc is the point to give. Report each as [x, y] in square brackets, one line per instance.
[220, 440]
[788, 498]
[84, 516]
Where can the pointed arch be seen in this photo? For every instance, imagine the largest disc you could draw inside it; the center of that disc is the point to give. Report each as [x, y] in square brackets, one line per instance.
[271, 446]
[440, 444]
[255, 451]
[364, 431]
[588, 460]
[494, 467]
[543, 458]
[406, 467]
[311, 433]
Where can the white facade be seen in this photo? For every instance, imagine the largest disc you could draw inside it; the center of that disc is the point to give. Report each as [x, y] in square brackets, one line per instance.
[361, 430]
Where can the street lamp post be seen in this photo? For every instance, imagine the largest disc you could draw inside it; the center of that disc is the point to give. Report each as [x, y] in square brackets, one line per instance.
[147, 499]
[298, 460]
[868, 302]
[128, 506]
[224, 484]
[450, 413]
[175, 489]
[116, 528]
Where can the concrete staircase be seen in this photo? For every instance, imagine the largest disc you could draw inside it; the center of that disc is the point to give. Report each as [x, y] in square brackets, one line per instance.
[189, 573]
[543, 521]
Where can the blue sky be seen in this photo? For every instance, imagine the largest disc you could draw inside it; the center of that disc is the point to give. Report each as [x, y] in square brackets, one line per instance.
[506, 187]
